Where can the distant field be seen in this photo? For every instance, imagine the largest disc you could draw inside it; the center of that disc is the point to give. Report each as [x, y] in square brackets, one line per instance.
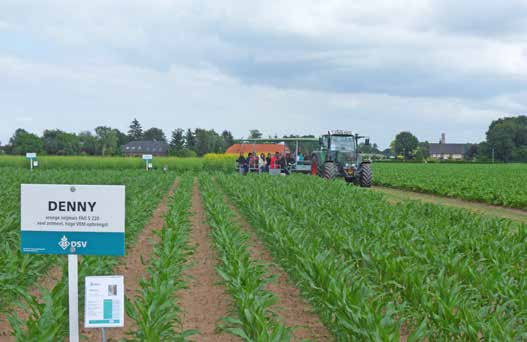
[218, 162]
[499, 184]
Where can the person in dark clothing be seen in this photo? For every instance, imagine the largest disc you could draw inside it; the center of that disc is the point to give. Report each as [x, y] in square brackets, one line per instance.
[268, 161]
[283, 164]
[242, 163]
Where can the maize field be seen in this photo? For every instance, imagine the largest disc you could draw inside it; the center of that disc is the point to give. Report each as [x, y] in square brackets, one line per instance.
[368, 269]
[498, 184]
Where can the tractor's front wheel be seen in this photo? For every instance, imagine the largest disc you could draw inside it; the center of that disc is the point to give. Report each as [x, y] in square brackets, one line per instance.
[365, 176]
[330, 170]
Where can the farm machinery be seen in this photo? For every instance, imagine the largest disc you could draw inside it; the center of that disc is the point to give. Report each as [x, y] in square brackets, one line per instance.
[336, 156]
[339, 156]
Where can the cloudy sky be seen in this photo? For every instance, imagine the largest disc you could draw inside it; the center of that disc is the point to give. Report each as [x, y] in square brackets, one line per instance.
[297, 66]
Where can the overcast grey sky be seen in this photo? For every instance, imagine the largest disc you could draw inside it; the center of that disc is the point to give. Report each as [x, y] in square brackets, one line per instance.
[297, 66]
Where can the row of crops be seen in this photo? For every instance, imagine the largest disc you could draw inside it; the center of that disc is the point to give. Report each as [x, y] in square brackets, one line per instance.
[20, 271]
[217, 162]
[499, 184]
[377, 271]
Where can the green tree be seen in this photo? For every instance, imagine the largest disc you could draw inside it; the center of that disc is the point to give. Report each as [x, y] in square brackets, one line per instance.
[88, 143]
[177, 143]
[255, 134]
[190, 140]
[23, 142]
[507, 136]
[154, 134]
[107, 140]
[207, 141]
[228, 140]
[57, 142]
[424, 147]
[405, 144]
[136, 131]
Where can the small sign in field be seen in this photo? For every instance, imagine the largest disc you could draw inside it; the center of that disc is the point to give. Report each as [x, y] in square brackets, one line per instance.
[72, 219]
[104, 302]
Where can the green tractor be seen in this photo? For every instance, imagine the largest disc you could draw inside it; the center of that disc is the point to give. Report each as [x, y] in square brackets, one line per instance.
[338, 157]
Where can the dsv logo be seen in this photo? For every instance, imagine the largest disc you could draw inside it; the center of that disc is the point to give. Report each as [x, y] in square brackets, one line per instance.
[64, 243]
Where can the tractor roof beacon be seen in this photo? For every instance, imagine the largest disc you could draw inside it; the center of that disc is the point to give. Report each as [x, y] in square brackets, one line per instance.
[339, 157]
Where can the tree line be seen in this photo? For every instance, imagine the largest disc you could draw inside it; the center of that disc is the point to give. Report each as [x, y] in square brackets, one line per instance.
[107, 141]
[506, 141]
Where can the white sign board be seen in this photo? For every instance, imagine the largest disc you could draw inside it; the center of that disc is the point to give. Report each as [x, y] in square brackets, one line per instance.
[104, 302]
[147, 157]
[72, 219]
[31, 155]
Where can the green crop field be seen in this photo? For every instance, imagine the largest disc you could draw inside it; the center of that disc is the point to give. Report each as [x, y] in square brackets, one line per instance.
[371, 270]
[19, 271]
[376, 271]
[218, 162]
[499, 184]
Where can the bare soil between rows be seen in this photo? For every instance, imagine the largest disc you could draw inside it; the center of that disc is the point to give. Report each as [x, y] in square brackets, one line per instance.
[132, 267]
[204, 302]
[291, 308]
[397, 195]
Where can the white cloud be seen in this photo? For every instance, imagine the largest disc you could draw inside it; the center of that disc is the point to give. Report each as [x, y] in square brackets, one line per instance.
[377, 66]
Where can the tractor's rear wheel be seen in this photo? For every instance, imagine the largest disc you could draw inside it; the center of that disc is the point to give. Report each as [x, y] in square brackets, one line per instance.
[330, 170]
[365, 176]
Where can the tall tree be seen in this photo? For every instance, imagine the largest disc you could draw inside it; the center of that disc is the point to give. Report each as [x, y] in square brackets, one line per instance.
[154, 134]
[190, 140]
[207, 141]
[424, 147]
[107, 140]
[507, 137]
[228, 139]
[255, 134]
[177, 142]
[136, 131]
[405, 144]
[22, 142]
[88, 143]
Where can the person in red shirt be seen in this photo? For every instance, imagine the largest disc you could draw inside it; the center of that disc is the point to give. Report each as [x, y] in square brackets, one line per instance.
[274, 161]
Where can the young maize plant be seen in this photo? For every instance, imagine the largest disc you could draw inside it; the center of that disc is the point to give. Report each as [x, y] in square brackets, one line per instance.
[500, 184]
[48, 317]
[443, 273]
[244, 278]
[154, 308]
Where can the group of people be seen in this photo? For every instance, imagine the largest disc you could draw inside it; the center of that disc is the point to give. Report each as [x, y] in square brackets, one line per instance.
[263, 163]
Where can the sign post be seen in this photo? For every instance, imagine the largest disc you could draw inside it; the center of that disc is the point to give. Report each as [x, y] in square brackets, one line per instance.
[73, 220]
[148, 159]
[31, 157]
[73, 296]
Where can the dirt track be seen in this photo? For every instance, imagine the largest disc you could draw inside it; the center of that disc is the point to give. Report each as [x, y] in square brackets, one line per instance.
[397, 195]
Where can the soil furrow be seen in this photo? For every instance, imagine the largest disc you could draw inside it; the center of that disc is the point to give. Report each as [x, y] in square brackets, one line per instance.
[291, 307]
[133, 269]
[205, 301]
